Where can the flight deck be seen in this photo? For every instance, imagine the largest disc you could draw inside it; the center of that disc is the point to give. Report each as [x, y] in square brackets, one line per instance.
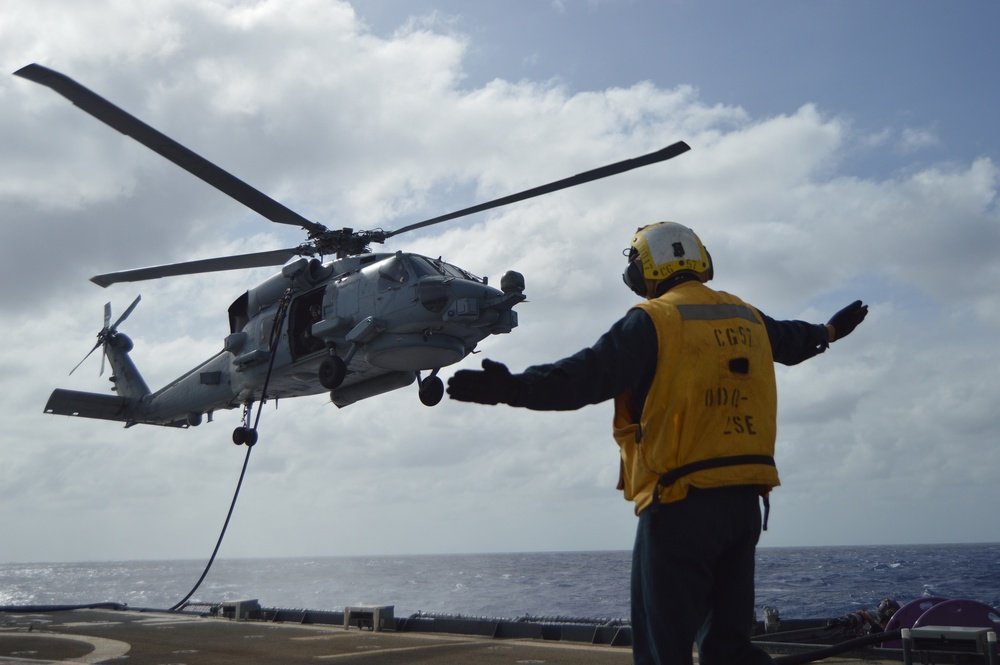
[141, 637]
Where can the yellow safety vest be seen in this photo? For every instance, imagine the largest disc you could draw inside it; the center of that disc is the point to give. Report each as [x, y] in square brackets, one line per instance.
[709, 418]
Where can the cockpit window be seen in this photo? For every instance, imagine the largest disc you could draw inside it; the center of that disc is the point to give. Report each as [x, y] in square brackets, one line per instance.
[453, 271]
[394, 271]
[423, 267]
[464, 274]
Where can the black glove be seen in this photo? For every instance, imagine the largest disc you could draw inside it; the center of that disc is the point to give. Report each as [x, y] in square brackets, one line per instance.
[493, 385]
[847, 319]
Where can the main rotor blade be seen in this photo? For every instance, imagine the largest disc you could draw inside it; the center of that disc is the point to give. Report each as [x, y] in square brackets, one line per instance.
[113, 116]
[258, 260]
[661, 155]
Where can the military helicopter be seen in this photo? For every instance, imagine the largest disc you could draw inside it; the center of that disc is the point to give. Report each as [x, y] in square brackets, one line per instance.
[358, 326]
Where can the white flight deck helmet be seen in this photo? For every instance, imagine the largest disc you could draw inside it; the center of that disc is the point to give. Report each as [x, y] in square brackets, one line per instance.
[661, 251]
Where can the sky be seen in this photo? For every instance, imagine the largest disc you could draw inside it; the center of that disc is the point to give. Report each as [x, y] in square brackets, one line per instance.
[840, 150]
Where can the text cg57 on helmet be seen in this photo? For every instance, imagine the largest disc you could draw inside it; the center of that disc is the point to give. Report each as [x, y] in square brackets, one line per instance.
[663, 251]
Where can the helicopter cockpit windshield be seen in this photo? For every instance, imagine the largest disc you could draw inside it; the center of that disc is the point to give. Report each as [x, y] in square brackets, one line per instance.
[427, 267]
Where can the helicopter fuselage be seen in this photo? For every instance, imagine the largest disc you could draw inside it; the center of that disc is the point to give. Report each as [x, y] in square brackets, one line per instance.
[355, 327]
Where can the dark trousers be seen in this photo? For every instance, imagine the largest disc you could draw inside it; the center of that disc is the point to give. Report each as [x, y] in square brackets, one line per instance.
[693, 579]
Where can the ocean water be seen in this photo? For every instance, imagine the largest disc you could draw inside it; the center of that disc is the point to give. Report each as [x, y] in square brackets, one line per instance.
[807, 582]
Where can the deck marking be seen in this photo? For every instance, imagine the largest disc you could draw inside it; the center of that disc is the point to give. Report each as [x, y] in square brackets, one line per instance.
[423, 647]
[104, 649]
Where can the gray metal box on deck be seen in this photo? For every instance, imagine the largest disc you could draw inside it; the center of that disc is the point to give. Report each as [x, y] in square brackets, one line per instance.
[374, 617]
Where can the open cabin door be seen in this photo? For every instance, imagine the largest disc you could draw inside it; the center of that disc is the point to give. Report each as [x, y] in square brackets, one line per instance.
[305, 310]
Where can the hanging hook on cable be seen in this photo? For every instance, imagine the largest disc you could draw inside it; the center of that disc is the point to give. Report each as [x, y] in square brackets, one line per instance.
[247, 432]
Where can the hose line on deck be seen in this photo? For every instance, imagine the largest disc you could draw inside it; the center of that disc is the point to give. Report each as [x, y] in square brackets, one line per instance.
[833, 650]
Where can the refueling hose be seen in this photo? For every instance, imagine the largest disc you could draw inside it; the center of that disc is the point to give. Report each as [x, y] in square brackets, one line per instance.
[218, 544]
[279, 319]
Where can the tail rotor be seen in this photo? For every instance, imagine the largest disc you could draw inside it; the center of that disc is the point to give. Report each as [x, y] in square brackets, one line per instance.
[107, 334]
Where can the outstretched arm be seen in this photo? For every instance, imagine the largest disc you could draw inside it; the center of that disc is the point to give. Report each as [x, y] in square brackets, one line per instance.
[795, 341]
[622, 358]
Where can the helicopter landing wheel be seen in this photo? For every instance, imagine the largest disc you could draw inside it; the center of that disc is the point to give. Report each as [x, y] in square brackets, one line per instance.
[331, 372]
[245, 435]
[431, 390]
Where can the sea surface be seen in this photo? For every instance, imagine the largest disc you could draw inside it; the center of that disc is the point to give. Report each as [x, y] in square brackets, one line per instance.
[806, 582]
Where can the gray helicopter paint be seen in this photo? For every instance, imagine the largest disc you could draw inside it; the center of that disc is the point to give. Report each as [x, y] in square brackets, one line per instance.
[379, 327]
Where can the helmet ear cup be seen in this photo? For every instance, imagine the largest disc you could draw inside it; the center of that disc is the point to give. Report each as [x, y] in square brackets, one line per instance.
[633, 277]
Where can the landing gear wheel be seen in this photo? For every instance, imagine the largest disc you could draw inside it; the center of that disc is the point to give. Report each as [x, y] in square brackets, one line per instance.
[431, 390]
[245, 435]
[331, 372]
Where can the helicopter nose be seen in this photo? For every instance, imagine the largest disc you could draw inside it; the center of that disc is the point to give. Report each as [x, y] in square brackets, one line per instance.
[473, 304]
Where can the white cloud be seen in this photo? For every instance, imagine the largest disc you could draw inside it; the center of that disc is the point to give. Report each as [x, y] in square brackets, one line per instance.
[913, 140]
[350, 129]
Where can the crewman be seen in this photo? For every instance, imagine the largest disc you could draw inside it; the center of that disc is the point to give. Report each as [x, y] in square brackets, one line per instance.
[690, 370]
